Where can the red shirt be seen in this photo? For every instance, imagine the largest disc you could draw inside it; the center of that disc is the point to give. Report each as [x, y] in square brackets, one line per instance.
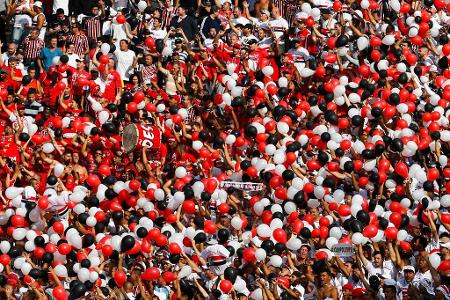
[9, 148]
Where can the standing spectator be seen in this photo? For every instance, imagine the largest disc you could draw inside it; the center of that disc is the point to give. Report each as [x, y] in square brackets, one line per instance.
[79, 39]
[209, 22]
[22, 21]
[59, 21]
[185, 22]
[39, 19]
[125, 59]
[32, 46]
[48, 54]
[168, 13]
[93, 23]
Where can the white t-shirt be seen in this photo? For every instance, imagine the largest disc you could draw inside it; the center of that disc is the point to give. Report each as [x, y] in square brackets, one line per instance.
[279, 26]
[158, 34]
[124, 62]
[388, 270]
[64, 4]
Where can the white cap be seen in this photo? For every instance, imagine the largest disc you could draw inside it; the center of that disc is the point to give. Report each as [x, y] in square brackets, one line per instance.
[38, 4]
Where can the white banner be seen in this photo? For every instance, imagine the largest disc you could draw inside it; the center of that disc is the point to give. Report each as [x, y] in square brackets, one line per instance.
[245, 186]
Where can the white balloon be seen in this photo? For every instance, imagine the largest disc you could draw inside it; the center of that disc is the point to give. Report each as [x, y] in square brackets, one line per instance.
[276, 261]
[268, 71]
[282, 127]
[48, 148]
[18, 262]
[388, 40]
[239, 285]
[260, 254]
[180, 172]
[357, 238]
[330, 242]
[236, 222]
[335, 232]
[257, 294]
[263, 230]
[25, 268]
[294, 244]
[435, 260]
[142, 5]
[159, 194]
[185, 272]
[282, 82]
[5, 246]
[58, 169]
[230, 139]
[12, 192]
[306, 72]
[105, 48]
[83, 274]
[19, 234]
[402, 235]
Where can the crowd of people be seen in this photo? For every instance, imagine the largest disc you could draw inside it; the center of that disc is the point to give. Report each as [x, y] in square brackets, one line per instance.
[224, 149]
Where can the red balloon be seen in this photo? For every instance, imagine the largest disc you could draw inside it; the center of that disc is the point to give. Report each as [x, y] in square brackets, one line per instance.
[43, 202]
[58, 227]
[433, 174]
[107, 250]
[150, 42]
[225, 286]
[405, 8]
[210, 227]
[395, 218]
[401, 169]
[18, 221]
[337, 5]
[284, 281]
[223, 208]
[139, 96]
[252, 171]
[5, 259]
[134, 185]
[249, 254]
[313, 165]
[344, 210]
[272, 89]
[177, 119]
[391, 233]
[446, 49]
[439, 4]
[61, 86]
[64, 248]
[104, 59]
[260, 93]
[189, 206]
[57, 122]
[370, 231]
[411, 59]
[93, 180]
[120, 278]
[59, 293]
[445, 218]
[154, 273]
[132, 107]
[174, 248]
[330, 58]
[375, 55]
[169, 276]
[161, 240]
[104, 170]
[62, 68]
[121, 19]
[280, 235]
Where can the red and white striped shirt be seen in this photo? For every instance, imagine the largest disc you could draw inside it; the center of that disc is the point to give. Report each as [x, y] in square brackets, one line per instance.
[93, 27]
[167, 15]
[80, 42]
[149, 73]
[32, 48]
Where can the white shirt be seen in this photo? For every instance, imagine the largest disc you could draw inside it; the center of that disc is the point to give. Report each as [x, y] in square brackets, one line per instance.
[64, 4]
[388, 270]
[279, 26]
[158, 34]
[124, 62]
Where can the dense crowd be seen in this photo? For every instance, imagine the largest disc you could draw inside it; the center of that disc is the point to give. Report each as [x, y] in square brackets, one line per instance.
[227, 149]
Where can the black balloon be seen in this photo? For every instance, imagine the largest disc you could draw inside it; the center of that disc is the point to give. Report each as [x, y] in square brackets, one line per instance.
[268, 246]
[230, 274]
[288, 175]
[77, 291]
[356, 226]
[127, 243]
[305, 233]
[141, 232]
[223, 235]
[200, 237]
[52, 180]
[363, 217]
[88, 240]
